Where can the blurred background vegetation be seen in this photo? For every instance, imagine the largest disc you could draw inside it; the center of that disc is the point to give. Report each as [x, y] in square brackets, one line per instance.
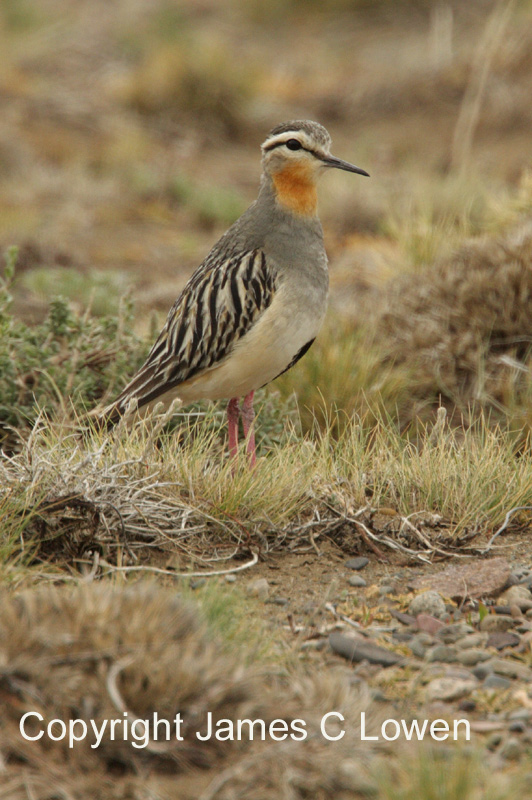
[129, 141]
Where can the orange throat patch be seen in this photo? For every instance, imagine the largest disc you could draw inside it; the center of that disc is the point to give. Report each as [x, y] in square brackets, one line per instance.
[296, 189]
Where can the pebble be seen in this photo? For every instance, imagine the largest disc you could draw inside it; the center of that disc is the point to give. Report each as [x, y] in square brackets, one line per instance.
[510, 669]
[442, 653]
[405, 619]
[473, 640]
[429, 624]
[450, 634]
[419, 644]
[230, 578]
[499, 640]
[494, 740]
[357, 563]
[518, 595]
[472, 656]
[467, 705]
[482, 671]
[496, 682]
[359, 649]
[279, 601]
[356, 580]
[402, 636]
[521, 714]
[449, 689]
[387, 589]
[496, 622]
[259, 588]
[429, 602]
[518, 726]
[511, 749]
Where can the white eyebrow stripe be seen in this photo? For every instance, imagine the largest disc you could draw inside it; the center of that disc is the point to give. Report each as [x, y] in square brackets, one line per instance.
[282, 138]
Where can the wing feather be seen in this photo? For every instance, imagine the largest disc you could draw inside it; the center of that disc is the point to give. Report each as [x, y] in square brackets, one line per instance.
[219, 304]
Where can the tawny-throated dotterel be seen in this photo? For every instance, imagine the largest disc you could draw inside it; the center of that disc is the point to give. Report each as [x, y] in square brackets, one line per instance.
[255, 305]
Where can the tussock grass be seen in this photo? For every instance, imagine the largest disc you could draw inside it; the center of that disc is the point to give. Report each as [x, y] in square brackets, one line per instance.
[454, 775]
[179, 497]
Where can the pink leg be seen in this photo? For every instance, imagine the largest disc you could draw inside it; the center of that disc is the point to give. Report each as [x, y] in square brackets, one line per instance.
[233, 413]
[248, 416]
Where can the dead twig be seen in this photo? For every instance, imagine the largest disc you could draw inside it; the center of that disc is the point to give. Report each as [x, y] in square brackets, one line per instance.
[504, 526]
[161, 571]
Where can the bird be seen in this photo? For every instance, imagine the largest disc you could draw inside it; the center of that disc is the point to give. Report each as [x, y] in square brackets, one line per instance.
[255, 305]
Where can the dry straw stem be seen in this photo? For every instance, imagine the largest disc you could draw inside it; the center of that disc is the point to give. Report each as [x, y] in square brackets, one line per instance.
[61, 499]
[472, 101]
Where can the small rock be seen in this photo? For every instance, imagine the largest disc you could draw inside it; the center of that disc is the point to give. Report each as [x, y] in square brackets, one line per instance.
[430, 603]
[230, 578]
[402, 636]
[419, 644]
[357, 563]
[521, 714]
[259, 588]
[501, 639]
[517, 727]
[473, 640]
[450, 634]
[494, 740]
[510, 669]
[360, 649]
[356, 580]
[447, 689]
[519, 596]
[425, 622]
[470, 580]
[467, 705]
[457, 671]
[405, 619]
[442, 653]
[496, 622]
[279, 601]
[496, 682]
[387, 589]
[472, 656]
[512, 749]
[482, 671]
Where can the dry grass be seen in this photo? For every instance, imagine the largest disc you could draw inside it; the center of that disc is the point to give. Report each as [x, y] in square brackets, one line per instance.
[146, 494]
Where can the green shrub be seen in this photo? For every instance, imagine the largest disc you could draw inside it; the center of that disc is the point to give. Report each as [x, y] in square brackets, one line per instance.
[68, 361]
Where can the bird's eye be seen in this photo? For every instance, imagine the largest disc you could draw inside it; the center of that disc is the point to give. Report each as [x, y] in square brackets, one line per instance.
[293, 144]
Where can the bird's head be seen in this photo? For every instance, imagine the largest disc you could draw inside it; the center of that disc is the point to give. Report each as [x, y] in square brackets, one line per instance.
[293, 156]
